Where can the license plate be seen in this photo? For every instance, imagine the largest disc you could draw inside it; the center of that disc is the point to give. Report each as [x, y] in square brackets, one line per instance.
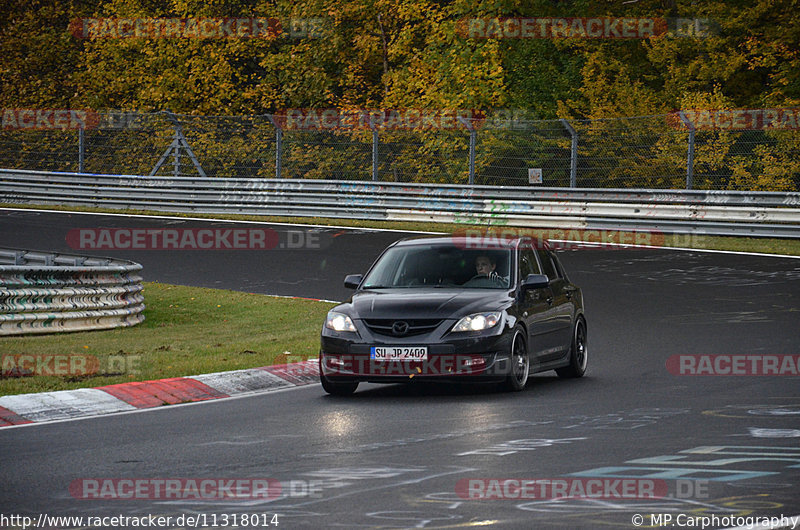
[399, 353]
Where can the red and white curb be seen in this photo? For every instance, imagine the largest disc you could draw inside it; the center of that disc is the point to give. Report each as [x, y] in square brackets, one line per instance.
[83, 402]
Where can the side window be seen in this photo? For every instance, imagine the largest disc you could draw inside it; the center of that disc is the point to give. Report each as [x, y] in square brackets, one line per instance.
[547, 264]
[527, 264]
[559, 267]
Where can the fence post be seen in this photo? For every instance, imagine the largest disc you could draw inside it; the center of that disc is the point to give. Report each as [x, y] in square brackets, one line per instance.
[177, 152]
[178, 142]
[473, 136]
[81, 149]
[690, 151]
[374, 148]
[278, 152]
[573, 156]
[278, 145]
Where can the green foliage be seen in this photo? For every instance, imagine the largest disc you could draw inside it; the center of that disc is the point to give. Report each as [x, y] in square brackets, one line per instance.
[398, 53]
[414, 54]
[40, 57]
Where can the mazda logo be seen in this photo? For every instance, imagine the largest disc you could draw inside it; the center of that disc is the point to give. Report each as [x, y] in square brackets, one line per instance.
[400, 327]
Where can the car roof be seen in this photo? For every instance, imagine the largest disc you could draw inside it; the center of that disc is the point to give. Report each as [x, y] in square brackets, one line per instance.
[477, 242]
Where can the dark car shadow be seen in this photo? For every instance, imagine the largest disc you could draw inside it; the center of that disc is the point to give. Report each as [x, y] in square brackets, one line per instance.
[538, 383]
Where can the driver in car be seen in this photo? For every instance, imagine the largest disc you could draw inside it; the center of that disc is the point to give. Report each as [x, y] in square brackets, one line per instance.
[486, 266]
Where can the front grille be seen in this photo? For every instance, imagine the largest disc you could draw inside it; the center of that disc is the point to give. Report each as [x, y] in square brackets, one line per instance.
[386, 326]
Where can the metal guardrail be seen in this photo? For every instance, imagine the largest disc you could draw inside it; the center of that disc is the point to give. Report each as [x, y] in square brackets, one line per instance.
[761, 214]
[47, 293]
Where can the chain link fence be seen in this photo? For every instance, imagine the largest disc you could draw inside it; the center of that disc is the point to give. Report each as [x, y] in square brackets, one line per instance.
[662, 152]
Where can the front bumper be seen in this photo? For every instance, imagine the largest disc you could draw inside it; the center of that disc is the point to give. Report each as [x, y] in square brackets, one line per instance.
[345, 357]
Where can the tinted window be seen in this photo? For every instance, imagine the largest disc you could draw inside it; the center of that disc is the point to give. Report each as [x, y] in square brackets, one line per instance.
[527, 264]
[559, 267]
[547, 264]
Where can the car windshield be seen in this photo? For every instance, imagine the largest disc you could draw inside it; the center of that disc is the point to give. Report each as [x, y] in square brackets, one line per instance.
[419, 266]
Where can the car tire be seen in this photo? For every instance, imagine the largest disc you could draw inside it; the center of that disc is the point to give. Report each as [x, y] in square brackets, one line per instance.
[520, 364]
[578, 353]
[337, 389]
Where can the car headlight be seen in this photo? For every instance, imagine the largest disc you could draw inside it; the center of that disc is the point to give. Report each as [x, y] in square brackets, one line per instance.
[478, 321]
[339, 322]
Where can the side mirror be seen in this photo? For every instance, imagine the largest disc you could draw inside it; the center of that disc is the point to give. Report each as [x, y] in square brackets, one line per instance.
[535, 281]
[352, 281]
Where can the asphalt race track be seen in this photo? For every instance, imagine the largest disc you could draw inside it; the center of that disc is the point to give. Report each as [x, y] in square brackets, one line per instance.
[396, 456]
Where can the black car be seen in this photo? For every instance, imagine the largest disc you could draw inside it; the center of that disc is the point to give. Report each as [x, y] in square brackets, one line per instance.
[456, 309]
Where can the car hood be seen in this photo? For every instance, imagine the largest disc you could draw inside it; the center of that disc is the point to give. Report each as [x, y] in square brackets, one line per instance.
[426, 303]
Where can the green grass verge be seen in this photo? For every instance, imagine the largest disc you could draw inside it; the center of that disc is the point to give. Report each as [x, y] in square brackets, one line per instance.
[789, 247]
[187, 331]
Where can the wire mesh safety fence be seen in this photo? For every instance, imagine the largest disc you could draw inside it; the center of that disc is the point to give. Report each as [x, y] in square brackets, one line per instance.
[506, 154]
[661, 152]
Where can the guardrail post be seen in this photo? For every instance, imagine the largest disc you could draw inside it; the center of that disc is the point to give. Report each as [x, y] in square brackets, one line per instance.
[81, 148]
[278, 145]
[690, 151]
[573, 155]
[473, 137]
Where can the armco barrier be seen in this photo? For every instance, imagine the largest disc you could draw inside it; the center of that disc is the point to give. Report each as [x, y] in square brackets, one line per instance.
[762, 214]
[46, 293]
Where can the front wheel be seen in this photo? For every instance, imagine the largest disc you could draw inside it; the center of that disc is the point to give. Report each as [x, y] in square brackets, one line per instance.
[337, 389]
[578, 354]
[520, 363]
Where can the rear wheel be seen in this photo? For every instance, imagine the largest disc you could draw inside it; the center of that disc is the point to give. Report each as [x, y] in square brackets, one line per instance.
[578, 355]
[520, 363]
[337, 389]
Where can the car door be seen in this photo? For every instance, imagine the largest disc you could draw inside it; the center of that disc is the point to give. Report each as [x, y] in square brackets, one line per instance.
[562, 309]
[534, 305]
